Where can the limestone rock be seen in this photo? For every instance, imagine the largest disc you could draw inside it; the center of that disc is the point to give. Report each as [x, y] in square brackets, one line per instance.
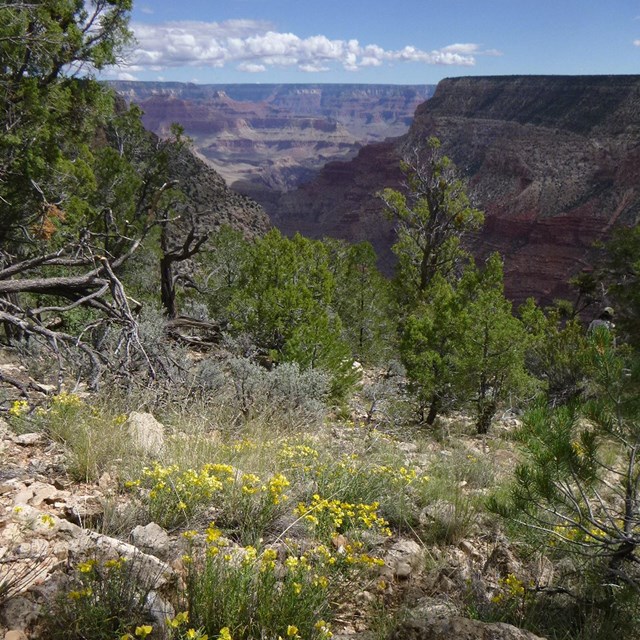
[29, 439]
[147, 434]
[502, 562]
[460, 629]
[153, 539]
[83, 510]
[19, 613]
[404, 558]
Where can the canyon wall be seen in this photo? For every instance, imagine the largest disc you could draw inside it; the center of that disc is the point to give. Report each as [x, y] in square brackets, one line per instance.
[554, 161]
[265, 139]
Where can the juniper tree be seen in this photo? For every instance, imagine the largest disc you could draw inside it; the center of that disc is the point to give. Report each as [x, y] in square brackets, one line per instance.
[432, 215]
[492, 343]
[362, 300]
[82, 185]
[429, 348]
[284, 303]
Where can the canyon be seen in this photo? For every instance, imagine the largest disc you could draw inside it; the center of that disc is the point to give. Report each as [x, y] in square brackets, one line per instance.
[265, 139]
[553, 161]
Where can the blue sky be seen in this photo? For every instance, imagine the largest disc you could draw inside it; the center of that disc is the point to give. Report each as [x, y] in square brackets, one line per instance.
[385, 41]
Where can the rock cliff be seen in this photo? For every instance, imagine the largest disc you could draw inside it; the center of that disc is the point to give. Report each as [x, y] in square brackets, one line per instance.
[554, 161]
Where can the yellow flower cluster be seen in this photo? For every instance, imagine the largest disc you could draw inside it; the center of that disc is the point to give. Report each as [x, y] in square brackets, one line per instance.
[181, 620]
[250, 483]
[66, 399]
[400, 476]
[511, 589]
[591, 533]
[225, 634]
[87, 567]
[116, 564]
[298, 457]
[578, 449]
[333, 516]
[175, 494]
[276, 487]
[48, 520]
[18, 408]
[141, 632]
[268, 560]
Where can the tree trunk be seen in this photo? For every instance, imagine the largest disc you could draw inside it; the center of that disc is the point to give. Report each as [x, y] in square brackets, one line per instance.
[487, 409]
[434, 409]
[167, 287]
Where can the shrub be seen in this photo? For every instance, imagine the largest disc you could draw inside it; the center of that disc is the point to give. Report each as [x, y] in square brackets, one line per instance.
[268, 593]
[106, 600]
[246, 504]
[254, 596]
[94, 437]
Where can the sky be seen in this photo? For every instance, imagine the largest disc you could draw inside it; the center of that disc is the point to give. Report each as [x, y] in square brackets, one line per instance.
[377, 41]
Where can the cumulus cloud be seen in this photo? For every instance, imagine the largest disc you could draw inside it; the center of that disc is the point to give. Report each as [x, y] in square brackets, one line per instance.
[254, 46]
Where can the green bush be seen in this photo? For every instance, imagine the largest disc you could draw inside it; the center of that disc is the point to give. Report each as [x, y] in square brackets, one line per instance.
[106, 600]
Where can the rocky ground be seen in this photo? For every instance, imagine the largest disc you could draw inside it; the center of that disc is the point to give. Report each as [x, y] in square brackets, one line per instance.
[50, 523]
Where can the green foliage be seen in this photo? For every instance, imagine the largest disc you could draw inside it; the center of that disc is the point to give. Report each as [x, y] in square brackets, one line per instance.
[492, 345]
[49, 115]
[581, 480]
[362, 300]
[252, 595]
[220, 266]
[286, 391]
[247, 504]
[431, 219]
[554, 348]
[622, 273]
[107, 599]
[92, 437]
[284, 303]
[429, 347]
[464, 346]
[460, 341]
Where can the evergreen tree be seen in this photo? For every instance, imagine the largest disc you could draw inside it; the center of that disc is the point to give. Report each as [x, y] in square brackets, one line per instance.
[622, 275]
[429, 347]
[49, 116]
[82, 185]
[432, 218]
[492, 344]
[554, 345]
[284, 302]
[580, 483]
[362, 300]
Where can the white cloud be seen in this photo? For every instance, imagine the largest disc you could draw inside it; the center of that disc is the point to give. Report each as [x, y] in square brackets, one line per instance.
[250, 67]
[117, 74]
[636, 43]
[254, 46]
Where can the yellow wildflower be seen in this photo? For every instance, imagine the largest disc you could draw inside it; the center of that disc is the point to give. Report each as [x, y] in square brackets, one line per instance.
[86, 567]
[225, 634]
